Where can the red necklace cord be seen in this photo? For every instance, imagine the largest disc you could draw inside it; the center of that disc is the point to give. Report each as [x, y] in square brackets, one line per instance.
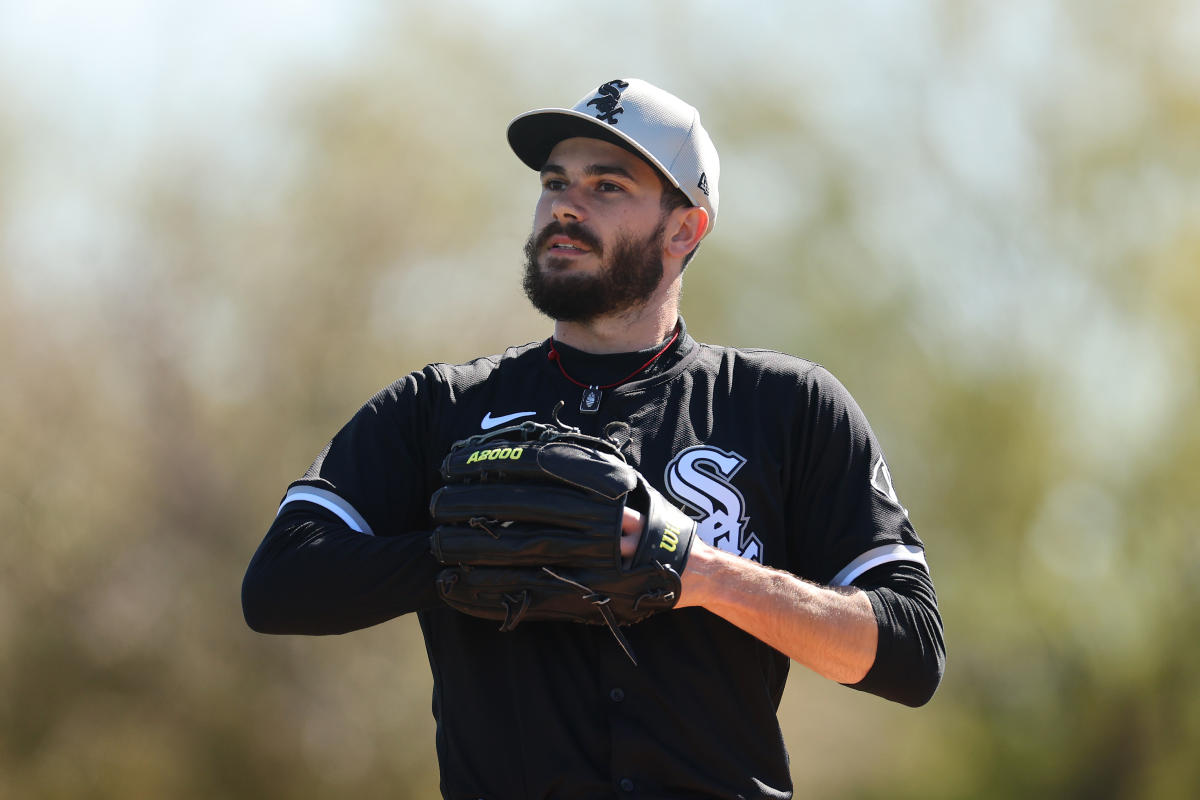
[556, 358]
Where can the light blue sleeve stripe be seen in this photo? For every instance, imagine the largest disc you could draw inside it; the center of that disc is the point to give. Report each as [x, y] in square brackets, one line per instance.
[876, 556]
[331, 502]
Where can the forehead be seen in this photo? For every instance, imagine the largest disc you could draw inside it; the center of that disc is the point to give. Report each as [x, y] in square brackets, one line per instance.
[581, 153]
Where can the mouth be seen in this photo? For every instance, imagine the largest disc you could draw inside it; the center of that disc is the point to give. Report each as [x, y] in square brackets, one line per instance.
[565, 246]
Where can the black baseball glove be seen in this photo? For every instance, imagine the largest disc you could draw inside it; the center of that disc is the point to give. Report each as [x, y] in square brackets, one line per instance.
[529, 526]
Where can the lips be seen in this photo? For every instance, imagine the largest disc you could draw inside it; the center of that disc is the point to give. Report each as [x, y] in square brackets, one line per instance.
[567, 240]
[564, 245]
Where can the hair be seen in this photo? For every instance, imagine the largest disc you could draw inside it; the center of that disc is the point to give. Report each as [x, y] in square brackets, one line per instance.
[673, 198]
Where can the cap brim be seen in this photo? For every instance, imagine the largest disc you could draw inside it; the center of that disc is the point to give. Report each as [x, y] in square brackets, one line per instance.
[535, 133]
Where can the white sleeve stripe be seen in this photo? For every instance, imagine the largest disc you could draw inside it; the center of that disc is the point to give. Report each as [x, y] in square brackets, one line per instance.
[873, 558]
[330, 501]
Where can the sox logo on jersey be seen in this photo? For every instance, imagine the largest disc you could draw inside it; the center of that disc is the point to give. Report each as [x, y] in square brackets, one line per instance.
[700, 478]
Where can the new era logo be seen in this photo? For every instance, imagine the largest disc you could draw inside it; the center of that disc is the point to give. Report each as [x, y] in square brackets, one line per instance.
[703, 184]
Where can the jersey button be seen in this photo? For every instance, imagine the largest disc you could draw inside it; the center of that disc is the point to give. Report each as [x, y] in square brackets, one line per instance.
[626, 785]
[616, 695]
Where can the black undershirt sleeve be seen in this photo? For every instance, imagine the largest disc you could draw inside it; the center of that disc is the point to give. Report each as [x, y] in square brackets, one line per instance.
[314, 575]
[911, 655]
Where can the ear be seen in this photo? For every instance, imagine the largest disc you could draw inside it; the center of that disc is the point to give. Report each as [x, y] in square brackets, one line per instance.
[685, 228]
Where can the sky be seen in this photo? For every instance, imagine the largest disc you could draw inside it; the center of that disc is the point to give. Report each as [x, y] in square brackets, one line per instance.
[900, 89]
[96, 89]
[126, 63]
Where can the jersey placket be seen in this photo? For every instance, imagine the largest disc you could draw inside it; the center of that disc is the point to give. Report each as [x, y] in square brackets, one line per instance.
[619, 678]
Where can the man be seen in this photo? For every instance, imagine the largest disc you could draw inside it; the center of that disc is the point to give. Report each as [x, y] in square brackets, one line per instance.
[802, 551]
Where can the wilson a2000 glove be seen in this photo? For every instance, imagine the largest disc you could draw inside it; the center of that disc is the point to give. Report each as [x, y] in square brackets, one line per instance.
[529, 526]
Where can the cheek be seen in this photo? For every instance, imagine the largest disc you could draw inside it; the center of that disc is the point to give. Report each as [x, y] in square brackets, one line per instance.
[543, 212]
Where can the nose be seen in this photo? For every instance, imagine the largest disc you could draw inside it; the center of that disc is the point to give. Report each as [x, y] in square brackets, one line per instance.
[566, 206]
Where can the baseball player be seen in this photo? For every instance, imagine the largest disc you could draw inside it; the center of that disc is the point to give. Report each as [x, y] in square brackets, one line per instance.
[616, 539]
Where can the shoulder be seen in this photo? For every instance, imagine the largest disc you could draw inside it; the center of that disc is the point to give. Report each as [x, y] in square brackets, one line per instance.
[779, 380]
[438, 377]
[764, 364]
[480, 369]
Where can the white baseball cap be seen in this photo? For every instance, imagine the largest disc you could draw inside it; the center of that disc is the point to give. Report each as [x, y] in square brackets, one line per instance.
[640, 117]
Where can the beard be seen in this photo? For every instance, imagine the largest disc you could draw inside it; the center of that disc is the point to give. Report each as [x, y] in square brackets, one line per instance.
[627, 278]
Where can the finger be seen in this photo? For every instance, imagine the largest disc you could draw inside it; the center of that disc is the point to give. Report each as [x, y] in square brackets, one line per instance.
[631, 532]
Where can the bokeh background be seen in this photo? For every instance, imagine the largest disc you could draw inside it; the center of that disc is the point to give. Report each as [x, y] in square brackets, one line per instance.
[224, 225]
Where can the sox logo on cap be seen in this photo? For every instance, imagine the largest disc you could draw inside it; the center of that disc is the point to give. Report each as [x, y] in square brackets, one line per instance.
[608, 101]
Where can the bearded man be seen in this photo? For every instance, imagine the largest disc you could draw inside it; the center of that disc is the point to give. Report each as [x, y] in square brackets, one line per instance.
[798, 548]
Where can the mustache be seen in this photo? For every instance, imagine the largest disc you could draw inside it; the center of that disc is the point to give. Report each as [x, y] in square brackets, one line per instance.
[574, 230]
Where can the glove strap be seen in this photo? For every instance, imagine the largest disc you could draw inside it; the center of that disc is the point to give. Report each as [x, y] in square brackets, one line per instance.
[601, 603]
[514, 610]
[483, 524]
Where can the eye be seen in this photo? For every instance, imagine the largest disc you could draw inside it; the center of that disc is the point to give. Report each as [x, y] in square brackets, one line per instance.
[609, 186]
[553, 184]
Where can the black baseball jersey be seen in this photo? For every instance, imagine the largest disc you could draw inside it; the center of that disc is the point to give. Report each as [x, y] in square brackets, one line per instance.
[768, 452]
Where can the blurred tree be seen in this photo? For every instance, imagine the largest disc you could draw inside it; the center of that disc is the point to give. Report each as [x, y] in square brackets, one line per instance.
[987, 228]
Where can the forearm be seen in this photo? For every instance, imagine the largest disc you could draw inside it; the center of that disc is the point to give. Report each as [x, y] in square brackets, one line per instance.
[831, 631]
[313, 575]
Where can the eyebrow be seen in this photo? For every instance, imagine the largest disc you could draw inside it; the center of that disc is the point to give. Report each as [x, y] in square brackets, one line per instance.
[591, 170]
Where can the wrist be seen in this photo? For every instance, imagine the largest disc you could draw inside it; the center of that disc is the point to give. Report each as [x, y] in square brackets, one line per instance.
[698, 574]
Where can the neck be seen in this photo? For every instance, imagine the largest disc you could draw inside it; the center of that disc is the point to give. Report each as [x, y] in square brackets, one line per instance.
[635, 329]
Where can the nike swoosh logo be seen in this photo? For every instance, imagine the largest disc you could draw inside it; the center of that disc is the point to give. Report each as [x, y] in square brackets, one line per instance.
[490, 422]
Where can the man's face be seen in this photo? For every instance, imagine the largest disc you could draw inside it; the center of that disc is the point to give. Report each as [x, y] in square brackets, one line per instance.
[597, 241]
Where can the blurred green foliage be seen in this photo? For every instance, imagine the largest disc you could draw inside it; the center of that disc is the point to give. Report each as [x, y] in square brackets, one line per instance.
[991, 238]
